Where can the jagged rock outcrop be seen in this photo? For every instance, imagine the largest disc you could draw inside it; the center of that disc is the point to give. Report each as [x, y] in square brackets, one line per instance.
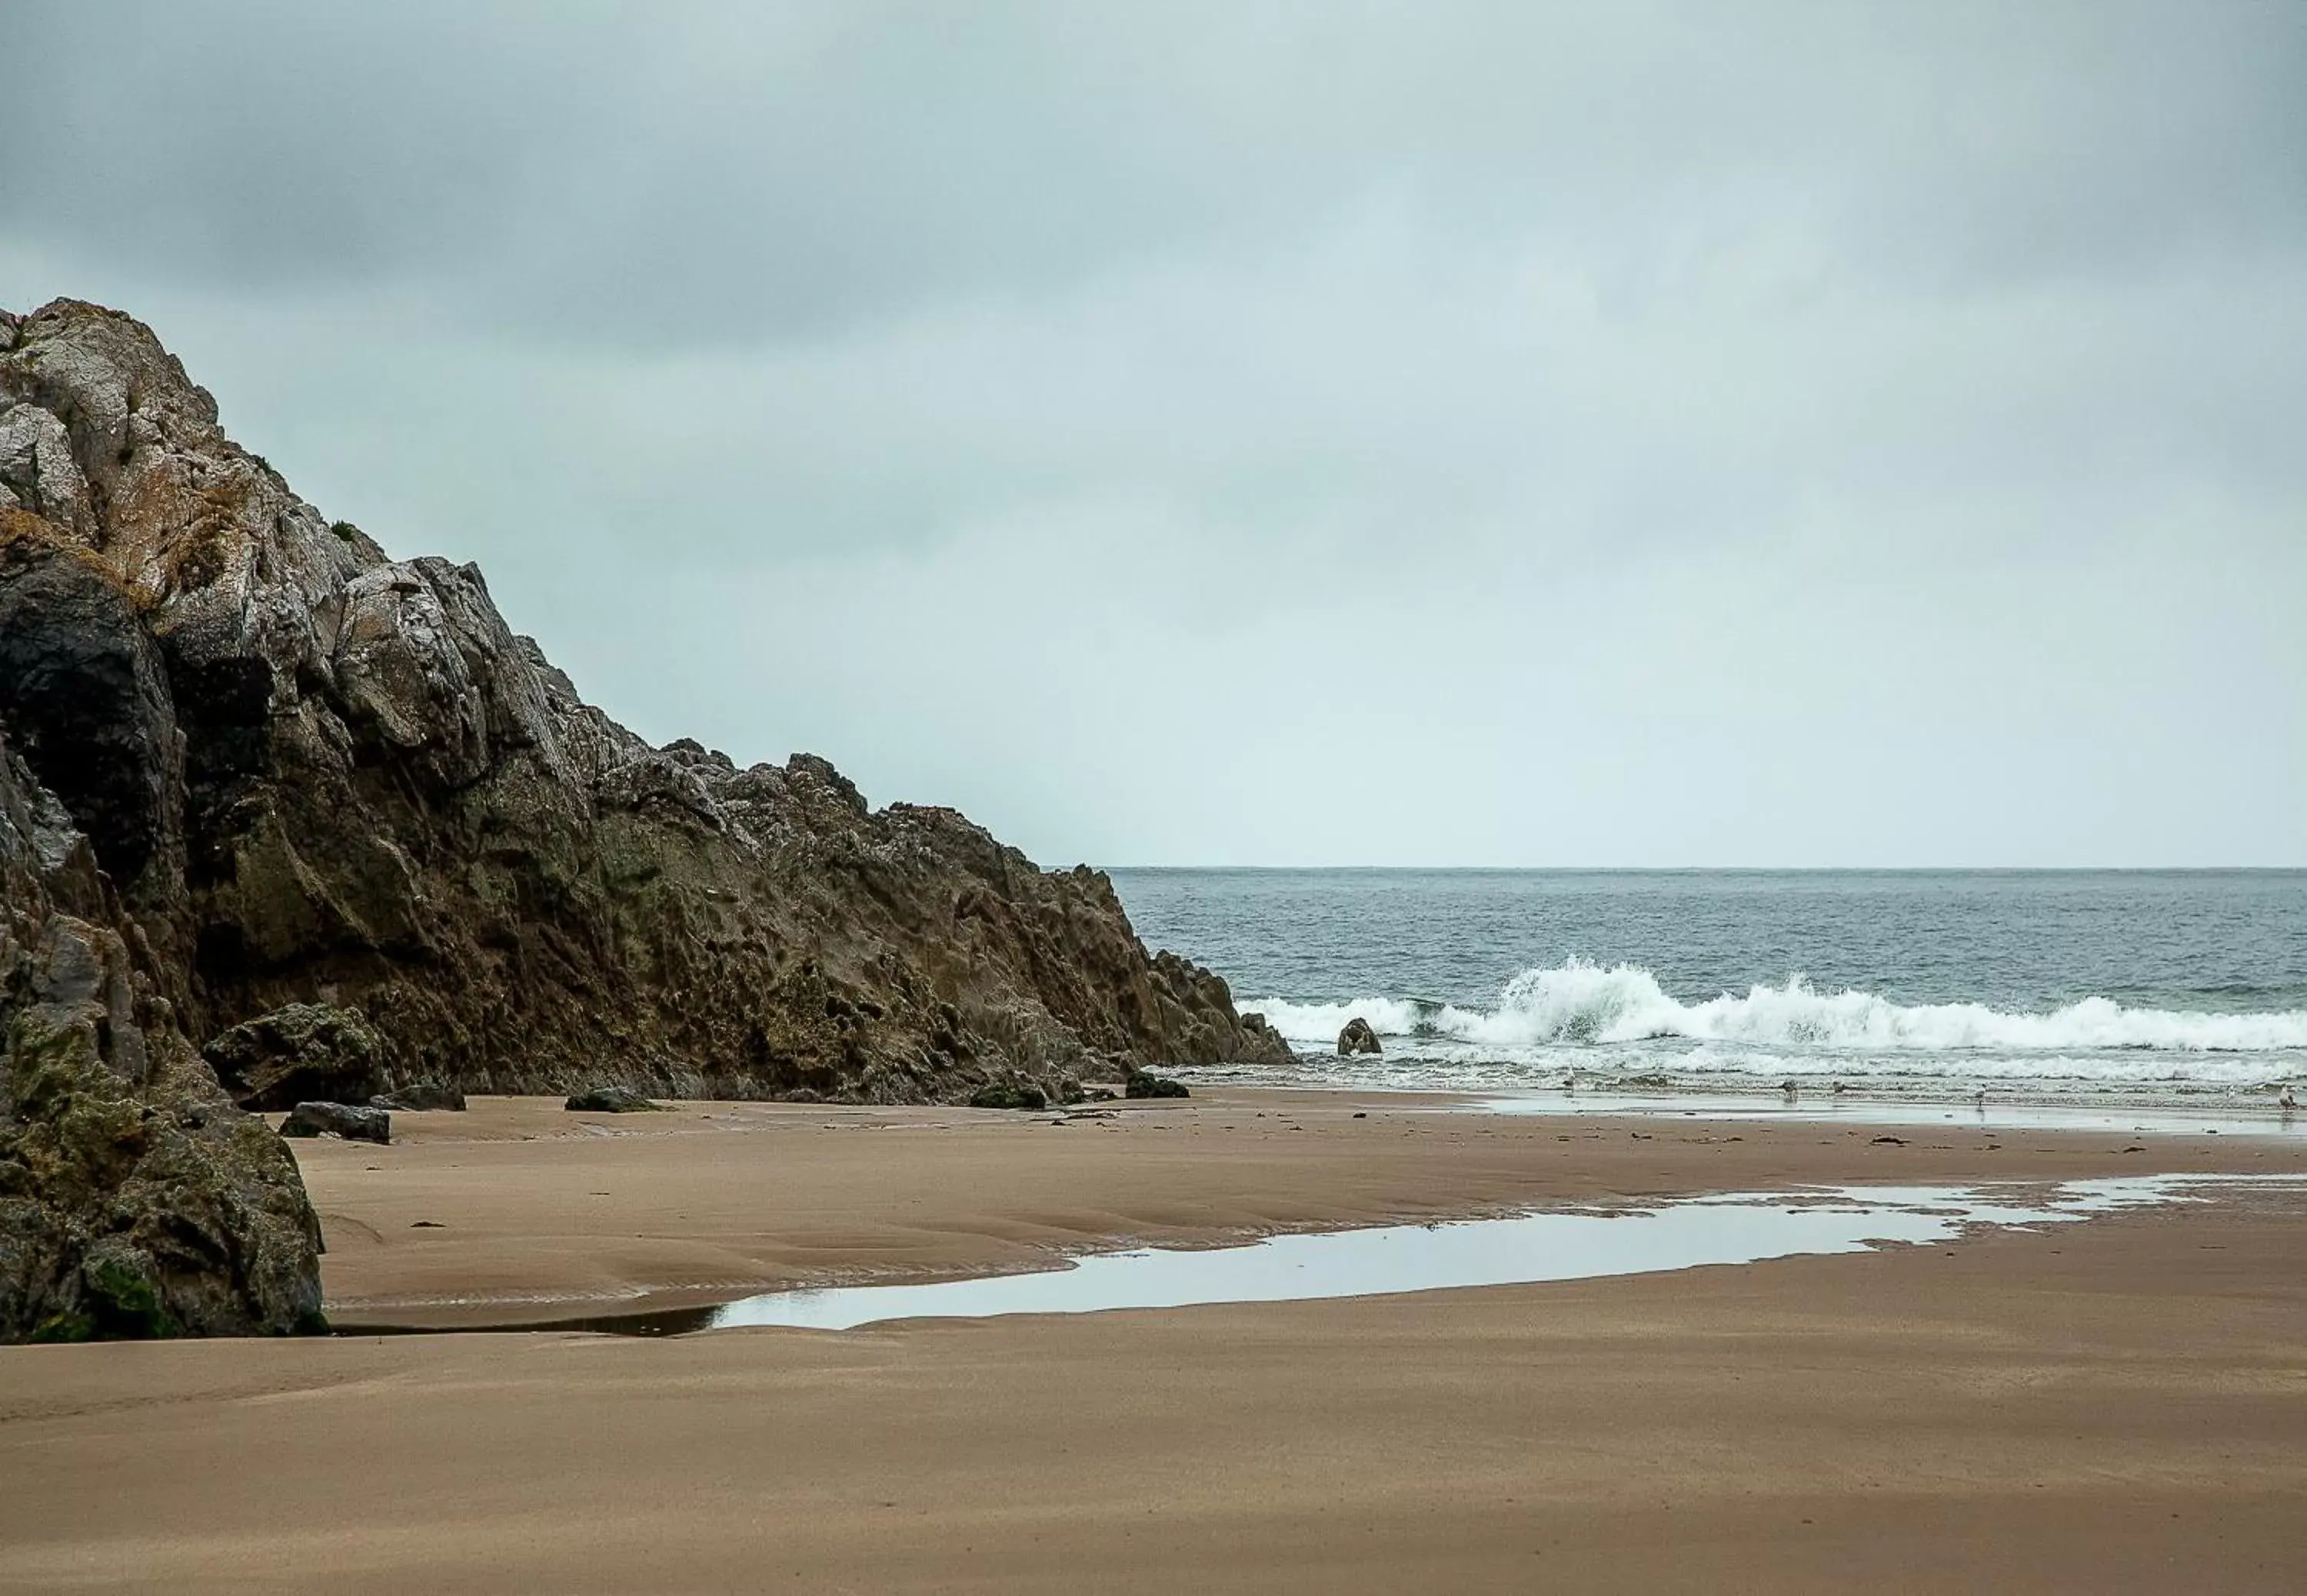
[135, 1199]
[1357, 1037]
[321, 776]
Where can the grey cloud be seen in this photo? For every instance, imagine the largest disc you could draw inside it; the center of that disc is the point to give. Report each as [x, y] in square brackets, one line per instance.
[703, 173]
[1660, 433]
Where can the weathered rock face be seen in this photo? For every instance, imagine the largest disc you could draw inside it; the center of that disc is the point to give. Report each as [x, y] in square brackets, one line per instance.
[135, 1200]
[1357, 1037]
[321, 776]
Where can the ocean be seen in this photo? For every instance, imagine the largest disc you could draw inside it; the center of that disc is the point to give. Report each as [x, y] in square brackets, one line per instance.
[2051, 985]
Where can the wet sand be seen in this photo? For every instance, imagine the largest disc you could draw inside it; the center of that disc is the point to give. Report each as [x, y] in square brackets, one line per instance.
[544, 1215]
[2116, 1405]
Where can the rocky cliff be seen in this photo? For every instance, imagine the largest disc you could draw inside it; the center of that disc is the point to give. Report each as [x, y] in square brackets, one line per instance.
[313, 774]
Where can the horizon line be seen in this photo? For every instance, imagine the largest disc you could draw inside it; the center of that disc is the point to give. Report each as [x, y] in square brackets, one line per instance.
[1751, 869]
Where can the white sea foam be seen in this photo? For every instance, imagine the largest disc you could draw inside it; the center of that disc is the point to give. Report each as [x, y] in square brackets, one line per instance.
[1579, 1003]
[1322, 1022]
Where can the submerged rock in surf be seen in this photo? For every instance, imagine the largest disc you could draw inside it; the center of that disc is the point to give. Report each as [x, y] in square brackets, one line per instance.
[1357, 1037]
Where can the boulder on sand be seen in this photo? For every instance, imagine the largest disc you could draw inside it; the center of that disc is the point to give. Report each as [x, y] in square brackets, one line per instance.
[298, 1052]
[612, 1099]
[1357, 1037]
[338, 1119]
[1027, 1097]
[1144, 1083]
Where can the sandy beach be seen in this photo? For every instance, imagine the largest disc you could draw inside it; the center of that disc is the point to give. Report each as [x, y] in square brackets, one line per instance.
[2115, 1405]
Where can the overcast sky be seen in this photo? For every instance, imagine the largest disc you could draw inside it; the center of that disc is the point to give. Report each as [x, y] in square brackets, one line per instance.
[1636, 434]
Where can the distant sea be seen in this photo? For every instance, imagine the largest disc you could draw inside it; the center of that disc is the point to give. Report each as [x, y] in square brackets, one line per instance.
[2043, 985]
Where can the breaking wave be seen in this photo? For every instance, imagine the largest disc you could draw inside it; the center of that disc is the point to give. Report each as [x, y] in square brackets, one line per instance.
[1579, 1003]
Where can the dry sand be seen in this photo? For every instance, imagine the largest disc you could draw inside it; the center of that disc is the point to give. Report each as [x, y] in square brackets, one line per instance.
[2120, 1405]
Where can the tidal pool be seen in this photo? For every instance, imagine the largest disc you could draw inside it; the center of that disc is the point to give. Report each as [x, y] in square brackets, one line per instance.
[1523, 1249]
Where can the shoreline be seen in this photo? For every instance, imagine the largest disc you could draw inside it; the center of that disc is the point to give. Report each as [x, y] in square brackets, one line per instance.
[2221, 1100]
[2096, 1113]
